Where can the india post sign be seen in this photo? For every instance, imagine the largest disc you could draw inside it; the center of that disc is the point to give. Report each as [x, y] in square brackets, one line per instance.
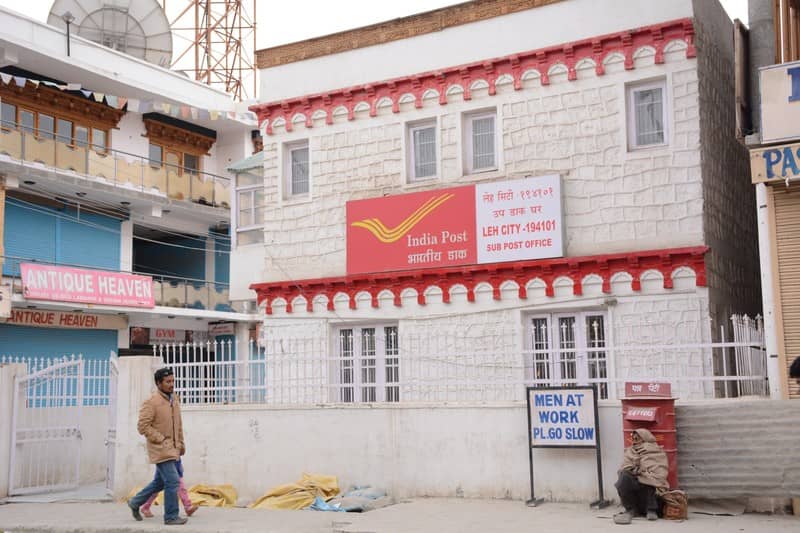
[474, 224]
[563, 417]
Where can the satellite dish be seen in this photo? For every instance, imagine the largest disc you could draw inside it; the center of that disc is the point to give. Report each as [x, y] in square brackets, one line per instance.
[136, 27]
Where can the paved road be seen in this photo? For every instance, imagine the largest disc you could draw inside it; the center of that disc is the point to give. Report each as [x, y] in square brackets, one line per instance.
[422, 515]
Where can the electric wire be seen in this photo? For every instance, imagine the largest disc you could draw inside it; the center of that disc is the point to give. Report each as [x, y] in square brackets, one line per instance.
[41, 210]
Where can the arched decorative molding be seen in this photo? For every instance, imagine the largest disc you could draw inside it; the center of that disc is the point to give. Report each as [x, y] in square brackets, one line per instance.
[592, 285]
[531, 74]
[297, 303]
[604, 50]
[407, 98]
[384, 102]
[478, 84]
[683, 278]
[504, 79]
[361, 107]
[651, 280]
[430, 94]
[623, 271]
[319, 114]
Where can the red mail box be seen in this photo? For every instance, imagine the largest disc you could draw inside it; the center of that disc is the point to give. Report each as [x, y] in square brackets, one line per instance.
[651, 406]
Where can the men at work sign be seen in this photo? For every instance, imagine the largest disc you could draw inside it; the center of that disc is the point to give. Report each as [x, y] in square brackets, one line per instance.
[485, 223]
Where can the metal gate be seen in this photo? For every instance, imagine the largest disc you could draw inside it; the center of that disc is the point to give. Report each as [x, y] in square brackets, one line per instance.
[46, 429]
[111, 432]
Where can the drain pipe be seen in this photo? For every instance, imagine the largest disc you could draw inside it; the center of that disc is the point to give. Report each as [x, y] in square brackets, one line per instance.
[768, 293]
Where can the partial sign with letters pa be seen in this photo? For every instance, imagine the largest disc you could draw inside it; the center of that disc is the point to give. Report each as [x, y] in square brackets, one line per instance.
[563, 417]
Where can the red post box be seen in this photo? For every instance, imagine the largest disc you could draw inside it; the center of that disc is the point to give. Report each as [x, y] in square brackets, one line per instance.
[652, 407]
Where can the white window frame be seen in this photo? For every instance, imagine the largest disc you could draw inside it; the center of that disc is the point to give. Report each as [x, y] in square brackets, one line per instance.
[411, 163]
[250, 190]
[542, 363]
[468, 119]
[351, 367]
[630, 90]
[288, 182]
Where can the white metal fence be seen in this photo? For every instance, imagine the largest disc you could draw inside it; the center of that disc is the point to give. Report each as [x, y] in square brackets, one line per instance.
[381, 364]
[95, 372]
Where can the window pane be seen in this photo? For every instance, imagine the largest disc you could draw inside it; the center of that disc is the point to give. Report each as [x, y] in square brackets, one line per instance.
[8, 115]
[81, 136]
[191, 163]
[483, 143]
[540, 344]
[64, 131]
[260, 198]
[346, 365]
[424, 140]
[648, 109]
[46, 126]
[155, 155]
[245, 179]
[299, 162]
[245, 209]
[244, 238]
[595, 351]
[98, 139]
[368, 365]
[27, 120]
[392, 364]
[566, 345]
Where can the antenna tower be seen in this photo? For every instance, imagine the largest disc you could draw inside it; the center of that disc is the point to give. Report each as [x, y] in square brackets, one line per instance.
[215, 42]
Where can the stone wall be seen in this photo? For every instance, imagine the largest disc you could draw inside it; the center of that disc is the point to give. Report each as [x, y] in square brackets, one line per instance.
[615, 200]
[729, 218]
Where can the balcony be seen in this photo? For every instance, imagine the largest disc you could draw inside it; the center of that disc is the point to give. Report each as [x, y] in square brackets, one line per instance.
[116, 168]
[169, 291]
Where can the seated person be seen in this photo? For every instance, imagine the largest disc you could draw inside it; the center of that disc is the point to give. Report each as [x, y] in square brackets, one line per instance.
[642, 478]
[794, 370]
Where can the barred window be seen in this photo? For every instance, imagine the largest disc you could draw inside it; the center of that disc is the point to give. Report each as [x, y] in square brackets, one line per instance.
[367, 365]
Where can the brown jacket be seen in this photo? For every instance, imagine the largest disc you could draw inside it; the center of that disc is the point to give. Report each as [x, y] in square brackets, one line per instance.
[161, 425]
[648, 462]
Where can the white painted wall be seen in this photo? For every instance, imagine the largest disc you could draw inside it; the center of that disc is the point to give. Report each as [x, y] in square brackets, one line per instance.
[130, 135]
[500, 36]
[474, 451]
[247, 267]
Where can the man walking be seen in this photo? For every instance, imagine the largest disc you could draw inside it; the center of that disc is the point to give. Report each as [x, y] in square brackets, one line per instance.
[160, 423]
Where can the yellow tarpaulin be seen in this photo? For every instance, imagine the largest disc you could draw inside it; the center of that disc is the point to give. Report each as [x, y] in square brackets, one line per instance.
[203, 495]
[299, 495]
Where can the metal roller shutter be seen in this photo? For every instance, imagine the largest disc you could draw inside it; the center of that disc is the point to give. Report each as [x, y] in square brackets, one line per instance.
[54, 343]
[787, 230]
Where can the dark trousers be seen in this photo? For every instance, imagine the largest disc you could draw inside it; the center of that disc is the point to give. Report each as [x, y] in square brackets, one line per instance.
[636, 497]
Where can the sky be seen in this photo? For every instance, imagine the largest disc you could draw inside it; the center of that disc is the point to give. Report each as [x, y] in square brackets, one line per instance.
[285, 21]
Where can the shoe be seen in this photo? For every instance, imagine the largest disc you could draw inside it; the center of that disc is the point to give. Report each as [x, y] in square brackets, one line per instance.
[175, 521]
[146, 512]
[652, 515]
[135, 513]
[623, 518]
[190, 511]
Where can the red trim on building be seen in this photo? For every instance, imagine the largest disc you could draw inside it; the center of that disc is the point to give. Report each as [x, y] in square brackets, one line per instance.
[521, 272]
[569, 54]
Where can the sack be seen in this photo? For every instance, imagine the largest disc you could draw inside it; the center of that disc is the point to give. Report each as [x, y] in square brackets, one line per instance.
[676, 505]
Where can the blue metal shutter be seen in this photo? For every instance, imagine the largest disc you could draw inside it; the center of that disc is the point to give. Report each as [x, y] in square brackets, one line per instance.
[94, 241]
[54, 343]
[29, 233]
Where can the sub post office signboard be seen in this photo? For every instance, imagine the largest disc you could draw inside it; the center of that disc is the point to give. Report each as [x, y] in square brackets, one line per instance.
[563, 417]
[512, 220]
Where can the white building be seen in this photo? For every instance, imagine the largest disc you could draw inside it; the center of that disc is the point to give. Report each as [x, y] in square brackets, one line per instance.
[630, 109]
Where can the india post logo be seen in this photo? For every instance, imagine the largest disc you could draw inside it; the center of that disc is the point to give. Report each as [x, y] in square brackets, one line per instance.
[426, 229]
[386, 235]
